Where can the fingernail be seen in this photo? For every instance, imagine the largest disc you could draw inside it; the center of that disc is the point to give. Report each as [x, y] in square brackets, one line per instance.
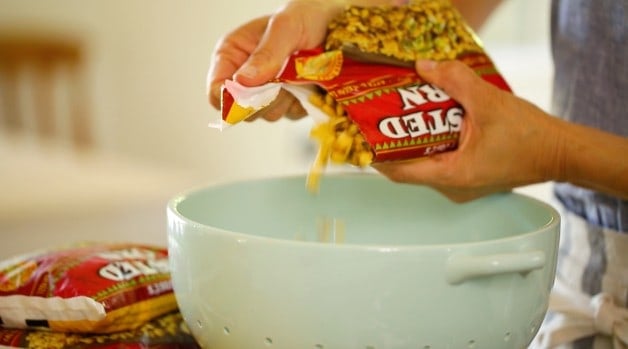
[247, 71]
[425, 65]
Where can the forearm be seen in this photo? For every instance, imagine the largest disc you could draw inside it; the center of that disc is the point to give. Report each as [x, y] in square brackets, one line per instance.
[591, 158]
[476, 12]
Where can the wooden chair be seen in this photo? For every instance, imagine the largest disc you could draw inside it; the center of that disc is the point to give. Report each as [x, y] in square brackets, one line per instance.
[58, 186]
[42, 87]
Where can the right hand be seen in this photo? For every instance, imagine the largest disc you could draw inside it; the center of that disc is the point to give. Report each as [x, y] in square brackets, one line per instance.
[255, 52]
[505, 141]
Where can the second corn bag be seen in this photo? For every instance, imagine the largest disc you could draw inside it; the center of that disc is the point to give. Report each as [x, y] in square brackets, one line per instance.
[86, 288]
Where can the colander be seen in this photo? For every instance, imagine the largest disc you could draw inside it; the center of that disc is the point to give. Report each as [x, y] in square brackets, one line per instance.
[407, 267]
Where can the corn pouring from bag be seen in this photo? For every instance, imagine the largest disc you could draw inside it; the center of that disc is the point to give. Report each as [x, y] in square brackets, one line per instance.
[339, 140]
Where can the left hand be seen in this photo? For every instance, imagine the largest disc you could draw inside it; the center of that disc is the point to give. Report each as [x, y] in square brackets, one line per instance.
[255, 52]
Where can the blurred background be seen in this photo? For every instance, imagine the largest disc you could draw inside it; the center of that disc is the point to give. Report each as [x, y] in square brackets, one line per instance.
[103, 113]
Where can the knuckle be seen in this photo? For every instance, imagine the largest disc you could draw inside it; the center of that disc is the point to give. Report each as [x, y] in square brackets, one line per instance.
[262, 55]
[281, 19]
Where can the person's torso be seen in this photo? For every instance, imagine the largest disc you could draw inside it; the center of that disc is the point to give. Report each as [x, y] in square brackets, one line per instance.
[590, 50]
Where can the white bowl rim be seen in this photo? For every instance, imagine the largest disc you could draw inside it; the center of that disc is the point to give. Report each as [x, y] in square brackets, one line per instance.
[173, 203]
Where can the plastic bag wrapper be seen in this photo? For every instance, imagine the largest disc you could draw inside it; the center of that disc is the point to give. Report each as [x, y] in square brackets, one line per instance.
[165, 332]
[362, 89]
[91, 287]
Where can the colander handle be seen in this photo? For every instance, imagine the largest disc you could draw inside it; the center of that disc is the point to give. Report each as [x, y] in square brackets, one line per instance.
[463, 267]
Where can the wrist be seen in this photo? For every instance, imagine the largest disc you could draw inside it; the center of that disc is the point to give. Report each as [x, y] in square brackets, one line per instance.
[591, 158]
[551, 157]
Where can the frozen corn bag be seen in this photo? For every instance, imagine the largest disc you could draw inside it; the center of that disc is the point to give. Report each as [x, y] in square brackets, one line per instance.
[94, 287]
[361, 87]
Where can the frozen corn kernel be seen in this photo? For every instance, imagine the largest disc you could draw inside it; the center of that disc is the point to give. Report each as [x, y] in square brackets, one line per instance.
[339, 139]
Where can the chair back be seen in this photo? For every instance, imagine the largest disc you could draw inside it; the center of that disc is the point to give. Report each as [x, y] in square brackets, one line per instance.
[43, 90]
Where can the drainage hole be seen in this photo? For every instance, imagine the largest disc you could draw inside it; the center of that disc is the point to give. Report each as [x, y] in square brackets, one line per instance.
[268, 341]
[507, 337]
[319, 346]
[427, 347]
[227, 330]
[370, 347]
[471, 344]
[533, 329]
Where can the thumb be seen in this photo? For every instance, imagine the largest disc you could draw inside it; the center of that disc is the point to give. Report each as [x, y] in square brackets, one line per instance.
[278, 42]
[297, 25]
[454, 77]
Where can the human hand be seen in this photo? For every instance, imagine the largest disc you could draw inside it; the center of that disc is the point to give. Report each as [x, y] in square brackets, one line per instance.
[505, 141]
[254, 53]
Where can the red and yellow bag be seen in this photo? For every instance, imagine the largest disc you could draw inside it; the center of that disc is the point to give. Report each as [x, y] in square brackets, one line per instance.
[361, 87]
[95, 288]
